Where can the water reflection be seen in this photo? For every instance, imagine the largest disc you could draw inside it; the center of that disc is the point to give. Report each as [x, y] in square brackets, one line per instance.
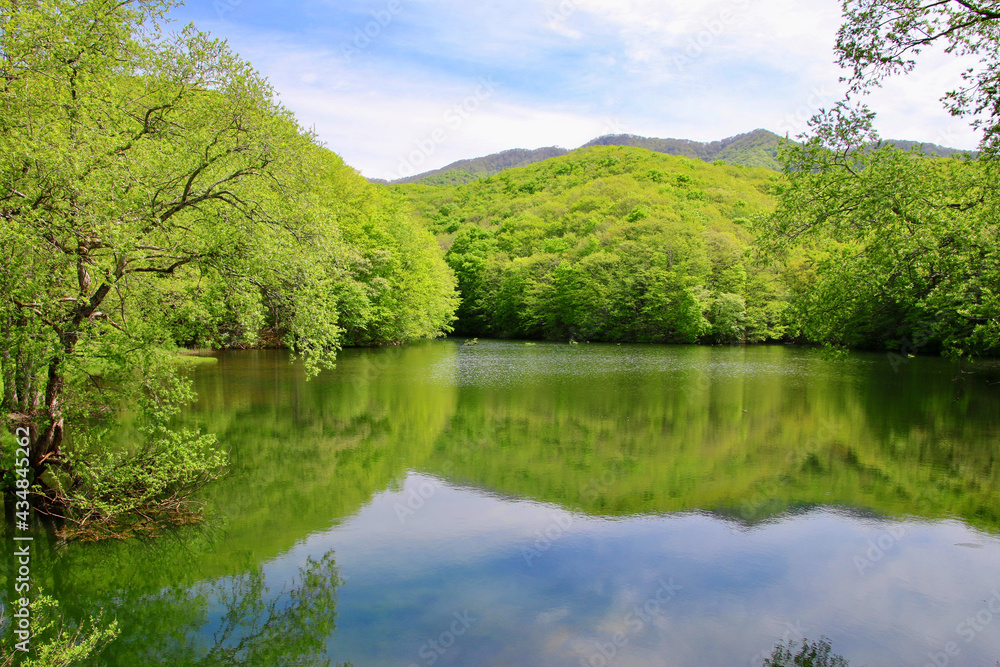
[240, 620]
[748, 431]
[510, 504]
[551, 587]
[255, 617]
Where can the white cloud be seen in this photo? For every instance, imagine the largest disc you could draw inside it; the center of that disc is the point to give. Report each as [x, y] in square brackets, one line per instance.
[565, 69]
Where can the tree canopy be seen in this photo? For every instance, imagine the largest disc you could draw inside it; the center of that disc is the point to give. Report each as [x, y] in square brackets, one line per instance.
[608, 244]
[896, 250]
[153, 193]
[880, 39]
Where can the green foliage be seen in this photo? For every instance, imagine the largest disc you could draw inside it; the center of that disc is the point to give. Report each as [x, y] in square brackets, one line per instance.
[154, 194]
[117, 494]
[728, 317]
[374, 277]
[616, 244]
[112, 491]
[389, 276]
[810, 654]
[449, 177]
[880, 40]
[56, 642]
[885, 248]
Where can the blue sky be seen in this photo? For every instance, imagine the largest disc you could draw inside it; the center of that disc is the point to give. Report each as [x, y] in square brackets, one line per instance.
[403, 86]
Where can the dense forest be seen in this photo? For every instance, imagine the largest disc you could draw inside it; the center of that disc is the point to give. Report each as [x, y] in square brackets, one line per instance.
[861, 245]
[609, 243]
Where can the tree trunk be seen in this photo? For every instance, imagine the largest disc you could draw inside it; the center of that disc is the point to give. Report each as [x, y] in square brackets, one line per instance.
[47, 444]
[9, 379]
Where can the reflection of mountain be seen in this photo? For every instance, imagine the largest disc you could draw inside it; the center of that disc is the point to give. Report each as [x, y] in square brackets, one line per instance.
[777, 510]
[745, 433]
[750, 432]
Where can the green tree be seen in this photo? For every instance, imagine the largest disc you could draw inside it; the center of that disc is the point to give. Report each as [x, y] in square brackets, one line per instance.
[152, 192]
[896, 250]
[55, 641]
[468, 257]
[906, 246]
[388, 274]
[880, 39]
[728, 317]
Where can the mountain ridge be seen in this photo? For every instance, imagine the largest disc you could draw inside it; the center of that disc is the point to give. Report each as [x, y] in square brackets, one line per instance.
[757, 148]
[481, 167]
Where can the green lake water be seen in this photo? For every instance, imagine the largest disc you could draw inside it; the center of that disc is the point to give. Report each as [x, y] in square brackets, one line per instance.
[552, 504]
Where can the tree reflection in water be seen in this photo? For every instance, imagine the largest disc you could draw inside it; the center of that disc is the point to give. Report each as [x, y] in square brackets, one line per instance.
[810, 654]
[246, 623]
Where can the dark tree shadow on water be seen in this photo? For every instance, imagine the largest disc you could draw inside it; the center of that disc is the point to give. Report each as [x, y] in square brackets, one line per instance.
[234, 621]
[809, 654]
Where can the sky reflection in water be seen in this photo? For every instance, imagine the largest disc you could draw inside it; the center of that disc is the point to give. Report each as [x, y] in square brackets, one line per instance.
[527, 504]
[730, 592]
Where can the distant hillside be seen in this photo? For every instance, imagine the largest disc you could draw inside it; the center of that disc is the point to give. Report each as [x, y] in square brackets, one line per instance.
[752, 149]
[928, 149]
[758, 148]
[467, 171]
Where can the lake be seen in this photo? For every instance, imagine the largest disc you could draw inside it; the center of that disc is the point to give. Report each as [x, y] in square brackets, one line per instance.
[550, 504]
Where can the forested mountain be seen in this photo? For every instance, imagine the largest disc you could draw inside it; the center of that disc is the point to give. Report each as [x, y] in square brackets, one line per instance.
[623, 244]
[932, 150]
[758, 148]
[466, 171]
[608, 243]
[752, 149]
